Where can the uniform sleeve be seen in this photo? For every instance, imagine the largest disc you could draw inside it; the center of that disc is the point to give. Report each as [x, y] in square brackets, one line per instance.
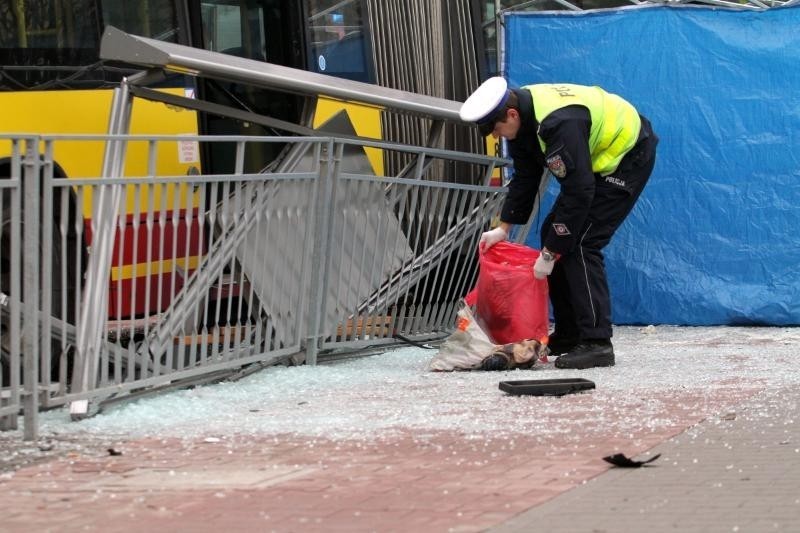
[524, 184]
[566, 136]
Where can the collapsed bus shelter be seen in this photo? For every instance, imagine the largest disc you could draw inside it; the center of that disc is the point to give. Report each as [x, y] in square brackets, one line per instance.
[321, 255]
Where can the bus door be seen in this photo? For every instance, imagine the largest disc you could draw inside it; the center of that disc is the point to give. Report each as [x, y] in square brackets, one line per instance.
[326, 36]
[264, 30]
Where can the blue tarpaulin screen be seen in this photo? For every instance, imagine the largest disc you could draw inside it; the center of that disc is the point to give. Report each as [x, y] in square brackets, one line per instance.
[715, 237]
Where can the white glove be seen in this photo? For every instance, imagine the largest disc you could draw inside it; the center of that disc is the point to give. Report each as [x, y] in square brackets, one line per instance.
[492, 237]
[543, 267]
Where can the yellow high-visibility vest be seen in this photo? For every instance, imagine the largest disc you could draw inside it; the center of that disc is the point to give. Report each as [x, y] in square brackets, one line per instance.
[615, 122]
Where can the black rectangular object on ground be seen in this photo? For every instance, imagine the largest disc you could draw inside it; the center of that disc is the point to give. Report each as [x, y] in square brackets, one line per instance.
[546, 387]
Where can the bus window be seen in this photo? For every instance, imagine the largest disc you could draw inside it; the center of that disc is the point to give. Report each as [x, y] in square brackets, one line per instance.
[156, 19]
[229, 29]
[338, 39]
[41, 45]
[53, 44]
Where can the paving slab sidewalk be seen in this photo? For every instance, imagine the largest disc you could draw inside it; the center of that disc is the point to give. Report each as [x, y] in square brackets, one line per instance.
[738, 471]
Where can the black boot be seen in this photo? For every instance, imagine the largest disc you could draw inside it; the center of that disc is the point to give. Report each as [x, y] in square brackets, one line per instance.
[588, 354]
[560, 344]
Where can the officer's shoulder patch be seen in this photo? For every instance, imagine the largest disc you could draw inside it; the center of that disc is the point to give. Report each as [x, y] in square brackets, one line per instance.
[557, 166]
[561, 229]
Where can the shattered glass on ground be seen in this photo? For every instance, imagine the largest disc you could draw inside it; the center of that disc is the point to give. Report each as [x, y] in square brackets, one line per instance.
[393, 393]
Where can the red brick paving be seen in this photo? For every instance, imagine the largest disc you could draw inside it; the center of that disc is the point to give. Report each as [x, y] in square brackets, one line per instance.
[436, 482]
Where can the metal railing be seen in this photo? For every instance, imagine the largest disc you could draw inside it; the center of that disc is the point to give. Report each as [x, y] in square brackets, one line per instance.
[11, 364]
[214, 275]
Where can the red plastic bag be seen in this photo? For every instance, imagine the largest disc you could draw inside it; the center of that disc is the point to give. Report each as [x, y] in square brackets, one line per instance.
[511, 304]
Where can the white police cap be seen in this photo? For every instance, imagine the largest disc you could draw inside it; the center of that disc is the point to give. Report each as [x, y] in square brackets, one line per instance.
[486, 101]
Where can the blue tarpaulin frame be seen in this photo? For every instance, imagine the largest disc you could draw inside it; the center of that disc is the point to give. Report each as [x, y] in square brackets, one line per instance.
[715, 237]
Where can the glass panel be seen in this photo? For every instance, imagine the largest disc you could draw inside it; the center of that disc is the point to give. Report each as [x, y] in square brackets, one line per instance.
[32, 24]
[221, 27]
[54, 44]
[338, 39]
[156, 19]
[235, 28]
[44, 41]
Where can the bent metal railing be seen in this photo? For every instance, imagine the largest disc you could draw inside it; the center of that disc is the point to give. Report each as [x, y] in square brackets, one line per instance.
[212, 276]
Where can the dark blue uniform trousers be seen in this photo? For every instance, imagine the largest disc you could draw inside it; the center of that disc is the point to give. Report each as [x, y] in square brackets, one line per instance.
[578, 283]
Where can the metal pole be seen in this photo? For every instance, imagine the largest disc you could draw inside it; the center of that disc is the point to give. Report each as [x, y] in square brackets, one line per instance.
[323, 228]
[30, 326]
[95, 298]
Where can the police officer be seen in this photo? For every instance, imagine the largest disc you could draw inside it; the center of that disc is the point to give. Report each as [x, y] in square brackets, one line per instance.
[602, 152]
